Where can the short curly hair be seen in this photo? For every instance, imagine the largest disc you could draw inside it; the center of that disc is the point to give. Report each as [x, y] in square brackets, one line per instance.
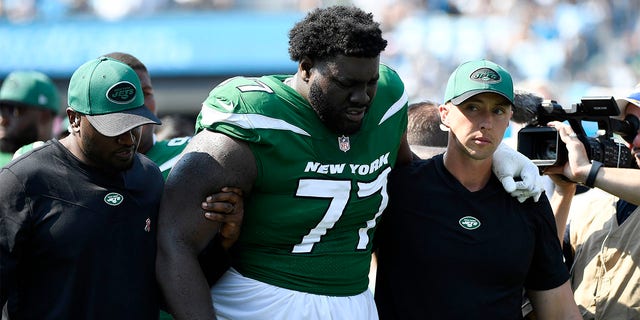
[336, 30]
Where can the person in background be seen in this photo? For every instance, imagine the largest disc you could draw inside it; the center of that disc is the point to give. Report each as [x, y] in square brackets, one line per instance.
[311, 152]
[29, 103]
[424, 133]
[602, 240]
[452, 243]
[78, 234]
[175, 126]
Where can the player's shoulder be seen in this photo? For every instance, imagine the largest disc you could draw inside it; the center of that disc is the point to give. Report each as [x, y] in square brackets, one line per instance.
[389, 78]
[27, 147]
[391, 98]
[244, 94]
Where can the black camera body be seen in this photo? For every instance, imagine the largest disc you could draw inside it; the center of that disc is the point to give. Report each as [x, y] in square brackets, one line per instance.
[544, 147]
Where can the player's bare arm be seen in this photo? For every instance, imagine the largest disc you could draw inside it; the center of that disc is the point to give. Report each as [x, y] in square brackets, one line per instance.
[210, 162]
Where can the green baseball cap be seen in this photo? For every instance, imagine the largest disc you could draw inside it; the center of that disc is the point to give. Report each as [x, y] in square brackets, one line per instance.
[31, 89]
[109, 94]
[478, 76]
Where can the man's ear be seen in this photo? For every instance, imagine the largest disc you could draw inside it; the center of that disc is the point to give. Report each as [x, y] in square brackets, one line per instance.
[74, 120]
[444, 113]
[304, 68]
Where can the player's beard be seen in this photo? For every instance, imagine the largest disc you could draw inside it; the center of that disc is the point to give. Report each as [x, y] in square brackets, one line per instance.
[332, 117]
[11, 143]
[104, 160]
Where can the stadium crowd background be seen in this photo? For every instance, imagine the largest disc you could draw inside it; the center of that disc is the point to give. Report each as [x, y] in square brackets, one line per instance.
[563, 49]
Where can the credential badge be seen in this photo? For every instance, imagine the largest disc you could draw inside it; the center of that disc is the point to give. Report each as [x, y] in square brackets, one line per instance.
[343, 143]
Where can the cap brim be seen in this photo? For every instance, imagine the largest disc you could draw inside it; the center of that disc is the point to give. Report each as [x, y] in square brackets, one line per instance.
[461, 98]
[622, 105]
[117, 123]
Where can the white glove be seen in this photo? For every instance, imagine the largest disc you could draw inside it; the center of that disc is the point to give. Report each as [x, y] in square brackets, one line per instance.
[509, 164]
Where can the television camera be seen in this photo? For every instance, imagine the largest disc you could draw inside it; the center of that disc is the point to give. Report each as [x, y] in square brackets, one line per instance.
[544, 147]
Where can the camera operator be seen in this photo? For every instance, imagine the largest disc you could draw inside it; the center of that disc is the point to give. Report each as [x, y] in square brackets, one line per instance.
[603, 242]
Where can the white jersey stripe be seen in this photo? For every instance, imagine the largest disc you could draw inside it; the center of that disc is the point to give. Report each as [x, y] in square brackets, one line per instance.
[169, 163]
[397, 106]
[247, 121]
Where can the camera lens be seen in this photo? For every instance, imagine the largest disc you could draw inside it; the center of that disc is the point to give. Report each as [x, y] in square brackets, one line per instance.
[546, 149]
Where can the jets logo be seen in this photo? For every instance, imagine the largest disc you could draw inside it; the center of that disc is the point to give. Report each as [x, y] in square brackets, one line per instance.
[485, 75]
[469, 223]
[113, 199]
[122, 92]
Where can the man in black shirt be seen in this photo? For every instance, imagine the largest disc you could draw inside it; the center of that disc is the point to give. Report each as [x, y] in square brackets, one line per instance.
[452, 243]
[78, 216]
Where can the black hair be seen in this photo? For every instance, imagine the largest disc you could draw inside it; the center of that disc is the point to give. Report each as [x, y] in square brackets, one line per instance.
[336, 30]
[129, 60]
[423, 127]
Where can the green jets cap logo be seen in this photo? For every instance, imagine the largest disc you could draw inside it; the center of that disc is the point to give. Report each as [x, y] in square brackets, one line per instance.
[469, 223]
[486, 75]
[113, 199]
[122, 92]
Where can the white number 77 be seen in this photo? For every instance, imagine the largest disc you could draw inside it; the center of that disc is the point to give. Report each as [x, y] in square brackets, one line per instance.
[338, 192]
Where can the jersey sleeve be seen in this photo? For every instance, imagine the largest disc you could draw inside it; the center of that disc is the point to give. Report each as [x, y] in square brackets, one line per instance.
[393, 95]
[231, 107]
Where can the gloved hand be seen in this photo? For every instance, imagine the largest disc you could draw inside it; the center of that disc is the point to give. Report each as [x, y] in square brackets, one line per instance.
[509, 164]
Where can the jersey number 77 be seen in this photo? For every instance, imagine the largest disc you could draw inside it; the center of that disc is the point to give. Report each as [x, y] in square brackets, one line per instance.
[338, 191]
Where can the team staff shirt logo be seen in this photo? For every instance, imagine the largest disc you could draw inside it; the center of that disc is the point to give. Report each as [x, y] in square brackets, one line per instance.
[469, 223]
[113, 199]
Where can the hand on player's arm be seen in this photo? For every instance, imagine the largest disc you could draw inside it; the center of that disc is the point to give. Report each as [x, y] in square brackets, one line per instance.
[226, 207]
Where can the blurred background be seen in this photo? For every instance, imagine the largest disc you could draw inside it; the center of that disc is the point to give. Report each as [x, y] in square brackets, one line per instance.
[561, 49]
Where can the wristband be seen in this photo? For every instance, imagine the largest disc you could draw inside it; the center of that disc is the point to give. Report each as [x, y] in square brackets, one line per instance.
[591, 178]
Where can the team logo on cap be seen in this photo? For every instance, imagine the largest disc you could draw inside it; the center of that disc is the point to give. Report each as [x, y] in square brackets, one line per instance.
[485, 75]
[113, 198]
[122, 92]
[469, 223]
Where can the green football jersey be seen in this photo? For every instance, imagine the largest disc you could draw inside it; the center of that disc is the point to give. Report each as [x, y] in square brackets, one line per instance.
[309, 219]
[5, 158]
[166, 153]
[22, 150]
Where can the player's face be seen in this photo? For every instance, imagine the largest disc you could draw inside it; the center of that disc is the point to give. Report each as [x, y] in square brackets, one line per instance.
[631, 109]
[146, 137]
[478, 124]
[109, 153]
[18, 126]
[341, 91]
